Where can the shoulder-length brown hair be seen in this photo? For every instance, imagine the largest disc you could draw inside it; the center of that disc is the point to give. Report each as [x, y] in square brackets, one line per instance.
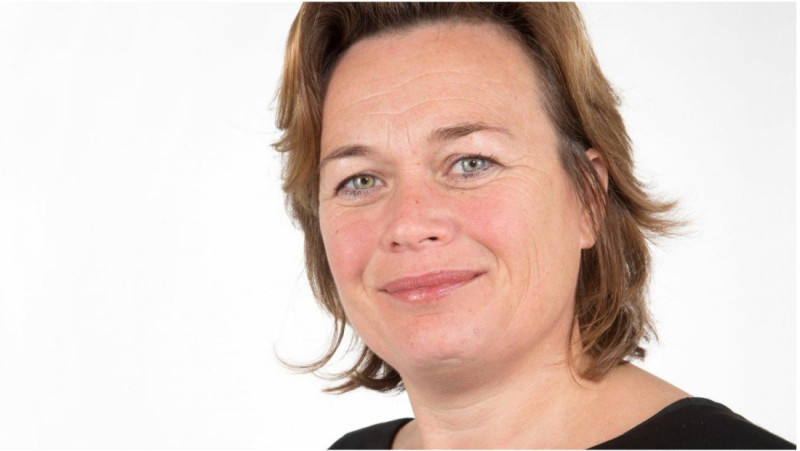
[610, 304]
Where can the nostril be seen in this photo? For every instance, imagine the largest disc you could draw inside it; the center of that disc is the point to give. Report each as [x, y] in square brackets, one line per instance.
[433, 238]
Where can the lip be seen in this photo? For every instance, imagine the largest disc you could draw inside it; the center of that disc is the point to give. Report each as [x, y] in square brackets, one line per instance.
[430, 286]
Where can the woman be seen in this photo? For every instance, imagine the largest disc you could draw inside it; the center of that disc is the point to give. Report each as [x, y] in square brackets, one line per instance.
[465, 185]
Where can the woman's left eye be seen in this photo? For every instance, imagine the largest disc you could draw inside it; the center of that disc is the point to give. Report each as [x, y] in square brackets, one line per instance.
[472, 165]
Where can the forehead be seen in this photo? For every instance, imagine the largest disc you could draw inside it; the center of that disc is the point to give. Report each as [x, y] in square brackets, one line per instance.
[430, 74]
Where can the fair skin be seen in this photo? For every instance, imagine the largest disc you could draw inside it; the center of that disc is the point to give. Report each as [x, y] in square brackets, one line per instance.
[454, 237]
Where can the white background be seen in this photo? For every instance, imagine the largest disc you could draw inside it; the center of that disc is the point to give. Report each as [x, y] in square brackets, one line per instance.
[149, 273]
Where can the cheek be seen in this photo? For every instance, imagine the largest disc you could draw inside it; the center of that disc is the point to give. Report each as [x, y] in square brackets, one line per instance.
[530, 226]
[350, 239]
[506, 215]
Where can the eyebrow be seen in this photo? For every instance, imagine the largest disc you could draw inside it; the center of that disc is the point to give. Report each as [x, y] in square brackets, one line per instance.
[463, 129]
[353, 150]
[442, 134]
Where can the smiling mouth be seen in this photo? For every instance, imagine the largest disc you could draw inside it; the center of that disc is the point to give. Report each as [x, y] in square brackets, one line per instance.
[429, 287]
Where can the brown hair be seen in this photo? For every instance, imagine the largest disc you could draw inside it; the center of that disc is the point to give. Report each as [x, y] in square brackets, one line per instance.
[610, 304]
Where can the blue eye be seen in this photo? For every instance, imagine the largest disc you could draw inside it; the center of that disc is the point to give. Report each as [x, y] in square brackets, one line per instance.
[472, 164]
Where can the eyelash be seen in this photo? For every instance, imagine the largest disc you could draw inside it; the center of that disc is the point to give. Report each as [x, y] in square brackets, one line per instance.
[353, 192]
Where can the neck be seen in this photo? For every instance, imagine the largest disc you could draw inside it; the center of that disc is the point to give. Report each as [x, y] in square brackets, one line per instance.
[538, 402]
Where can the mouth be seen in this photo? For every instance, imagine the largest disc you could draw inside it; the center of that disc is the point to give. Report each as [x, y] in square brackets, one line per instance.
[430, 286]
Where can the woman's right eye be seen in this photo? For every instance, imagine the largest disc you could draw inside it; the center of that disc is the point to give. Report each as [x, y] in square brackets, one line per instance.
[357, 185]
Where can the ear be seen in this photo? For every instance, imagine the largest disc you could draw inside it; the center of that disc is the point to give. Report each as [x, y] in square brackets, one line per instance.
[601, 167]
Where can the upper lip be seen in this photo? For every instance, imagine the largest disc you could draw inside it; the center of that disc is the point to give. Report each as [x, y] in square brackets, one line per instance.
[430, 279]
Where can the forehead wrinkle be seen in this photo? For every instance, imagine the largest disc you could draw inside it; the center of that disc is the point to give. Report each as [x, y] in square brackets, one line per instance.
[405, 111]
[408, 132]
[463, 99]
[497, 95]
[494, 94]
[402, 84]
[408, 81]
[394, 134]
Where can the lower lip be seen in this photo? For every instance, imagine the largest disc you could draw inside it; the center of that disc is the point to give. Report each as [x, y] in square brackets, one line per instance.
[426, 295]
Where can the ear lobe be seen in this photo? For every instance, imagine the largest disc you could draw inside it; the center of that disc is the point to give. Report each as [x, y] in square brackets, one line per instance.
[600, 166]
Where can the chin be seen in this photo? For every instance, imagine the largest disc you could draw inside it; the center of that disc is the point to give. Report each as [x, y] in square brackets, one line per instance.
[426, 348]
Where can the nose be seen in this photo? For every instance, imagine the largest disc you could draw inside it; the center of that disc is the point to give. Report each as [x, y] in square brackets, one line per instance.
[418, 217]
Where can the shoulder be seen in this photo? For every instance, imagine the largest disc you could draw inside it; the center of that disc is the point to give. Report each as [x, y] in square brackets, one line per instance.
[696, 423]
[377, 436]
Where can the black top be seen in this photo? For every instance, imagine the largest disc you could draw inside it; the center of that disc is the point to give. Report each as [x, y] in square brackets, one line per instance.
[690, 423]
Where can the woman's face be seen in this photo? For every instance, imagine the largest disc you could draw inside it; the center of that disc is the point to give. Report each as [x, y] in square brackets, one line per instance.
[451, 229]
